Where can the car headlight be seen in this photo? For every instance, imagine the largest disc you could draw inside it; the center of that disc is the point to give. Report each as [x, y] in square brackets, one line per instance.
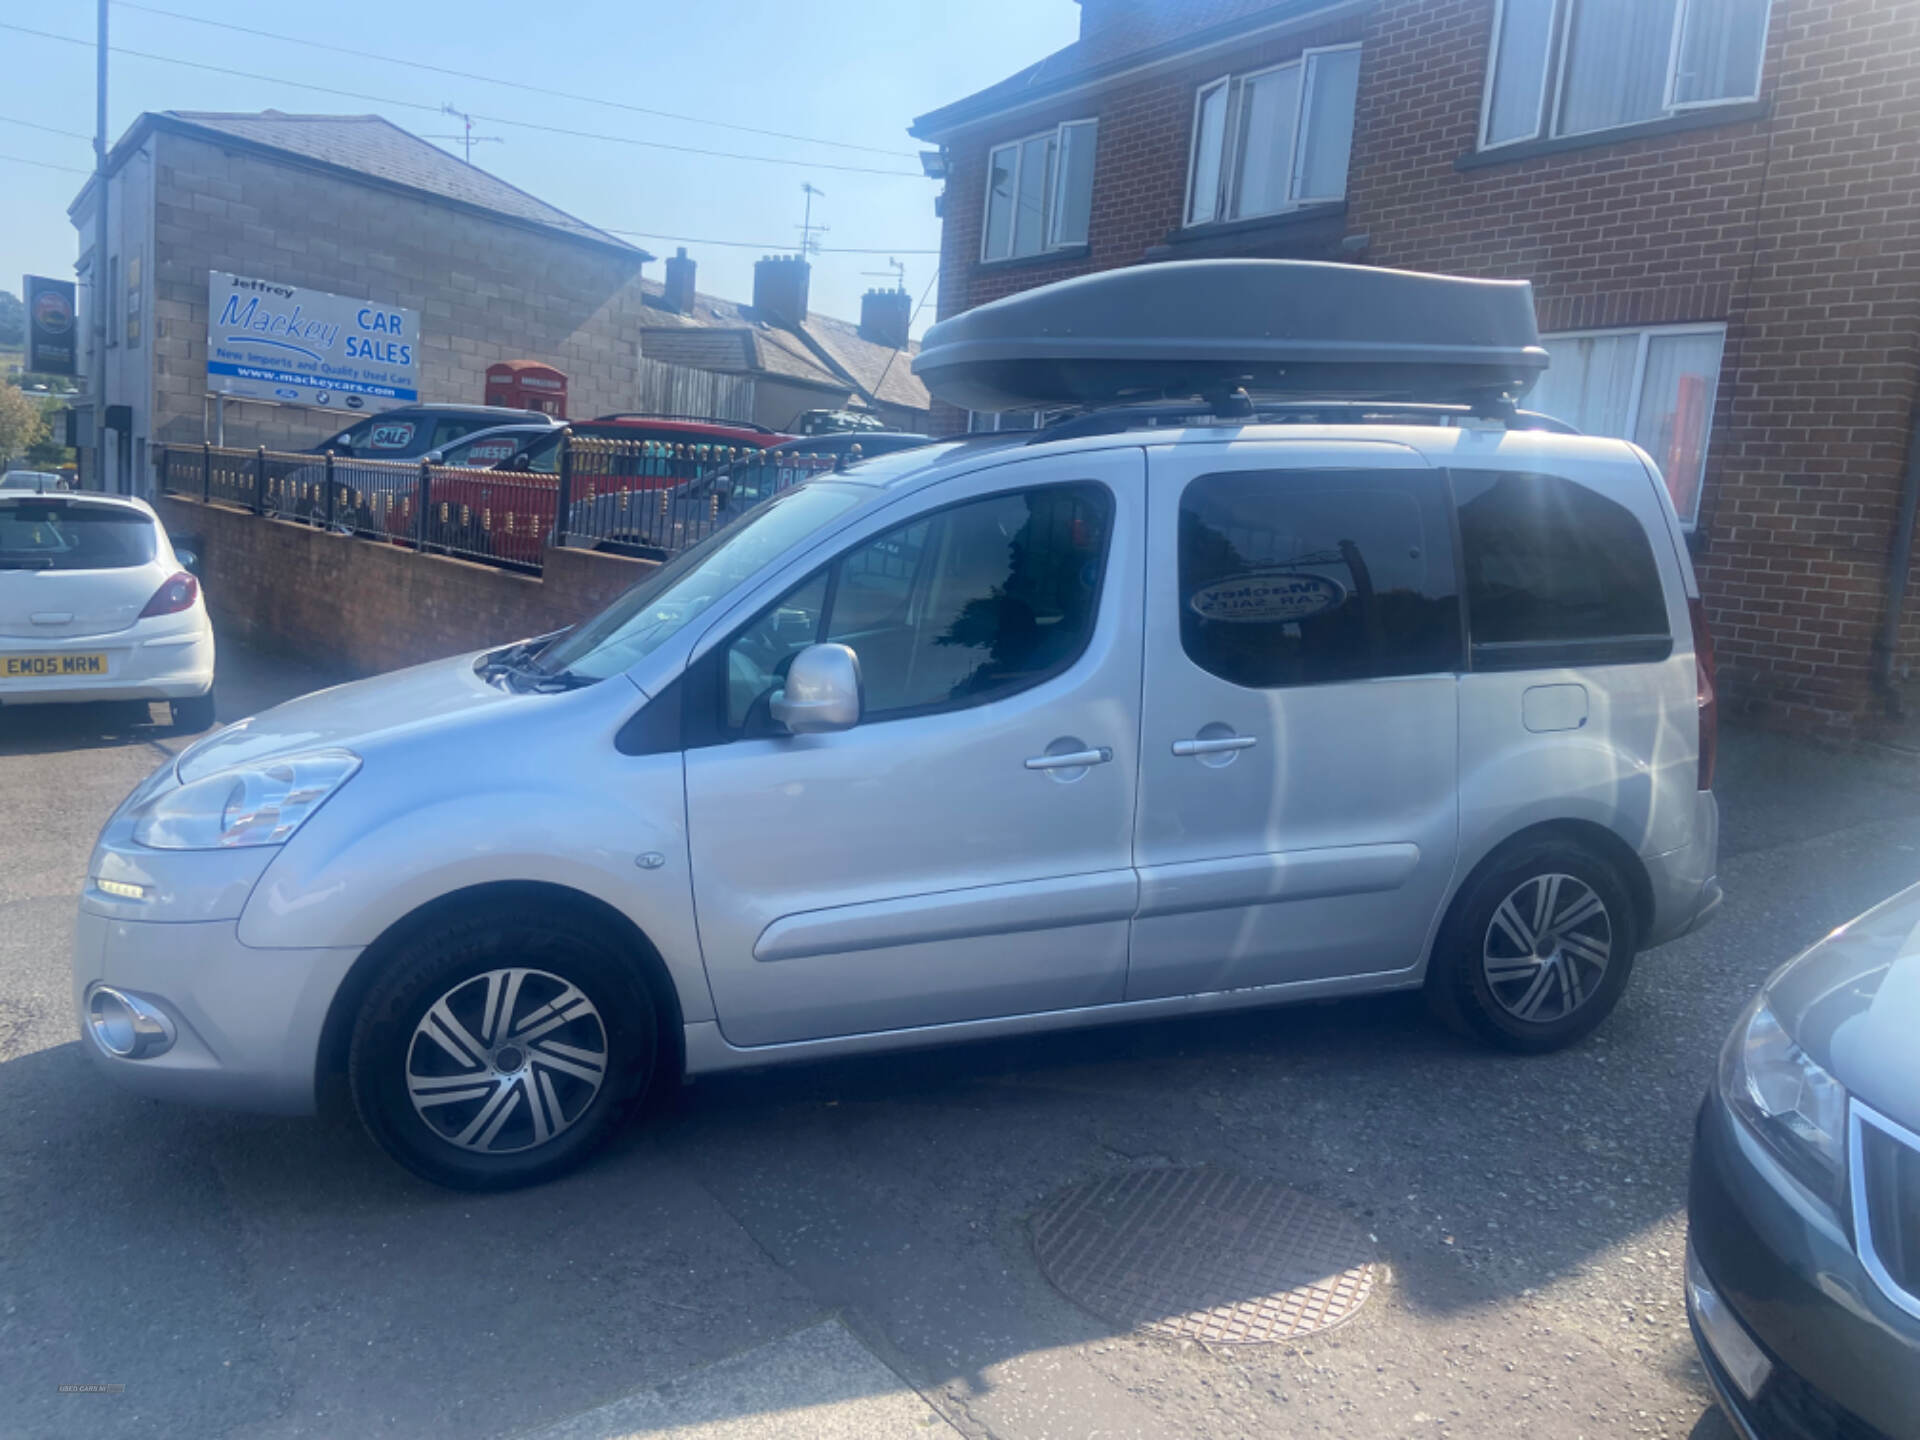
[1796, 1107]
[260, 804]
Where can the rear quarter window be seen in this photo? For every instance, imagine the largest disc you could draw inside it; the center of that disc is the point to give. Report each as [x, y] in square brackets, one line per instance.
[74, 537]
[1556, 574]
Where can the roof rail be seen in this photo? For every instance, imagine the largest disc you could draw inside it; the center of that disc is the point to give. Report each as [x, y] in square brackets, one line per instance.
[1215, 329]
[1117, 419]
[684, 419]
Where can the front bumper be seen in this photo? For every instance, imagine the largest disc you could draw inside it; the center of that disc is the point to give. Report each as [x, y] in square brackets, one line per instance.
[247, 1022]
[1845, 1361]
[146, 662]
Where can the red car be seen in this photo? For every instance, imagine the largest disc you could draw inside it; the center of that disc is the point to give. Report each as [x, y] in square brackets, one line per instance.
[508, 510]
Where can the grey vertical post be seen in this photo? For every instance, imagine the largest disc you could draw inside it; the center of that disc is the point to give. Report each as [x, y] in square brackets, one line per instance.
[563, 501]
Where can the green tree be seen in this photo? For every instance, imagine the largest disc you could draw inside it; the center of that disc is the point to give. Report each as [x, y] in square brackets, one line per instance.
[13, 320]
[21, 425]
[51, 450]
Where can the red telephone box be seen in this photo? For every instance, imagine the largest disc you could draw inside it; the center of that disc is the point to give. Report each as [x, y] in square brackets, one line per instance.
[528, 385]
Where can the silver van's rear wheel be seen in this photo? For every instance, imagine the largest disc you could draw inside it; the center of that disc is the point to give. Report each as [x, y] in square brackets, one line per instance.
[1537, 946]
[499, 1049]
[1546, 948]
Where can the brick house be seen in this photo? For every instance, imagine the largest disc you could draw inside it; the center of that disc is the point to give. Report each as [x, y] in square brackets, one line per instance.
[1717, 201]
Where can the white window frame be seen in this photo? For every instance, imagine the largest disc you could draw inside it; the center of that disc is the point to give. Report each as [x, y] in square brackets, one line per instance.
[1553, 85]
[1683, 107]
[1050, 214]
[1193, 148]
[1647, 335]
[1228, 186]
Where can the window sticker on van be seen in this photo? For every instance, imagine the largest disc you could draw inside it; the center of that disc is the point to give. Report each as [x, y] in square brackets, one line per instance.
[1312, 577]
[396, 435]
[487, 452]
[1264, 598]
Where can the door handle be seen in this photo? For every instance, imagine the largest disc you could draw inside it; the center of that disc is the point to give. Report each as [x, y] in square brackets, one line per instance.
[1072, 760]
[1214, 747]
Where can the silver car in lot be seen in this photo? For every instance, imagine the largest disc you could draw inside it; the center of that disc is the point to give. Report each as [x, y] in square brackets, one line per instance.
[990, 736]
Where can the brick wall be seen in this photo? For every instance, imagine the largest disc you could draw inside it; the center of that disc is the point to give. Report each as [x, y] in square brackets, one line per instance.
[486, 289]
[1799, 229]
[362, 607]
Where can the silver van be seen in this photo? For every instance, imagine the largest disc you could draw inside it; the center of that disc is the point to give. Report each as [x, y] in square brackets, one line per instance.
[1168, 710]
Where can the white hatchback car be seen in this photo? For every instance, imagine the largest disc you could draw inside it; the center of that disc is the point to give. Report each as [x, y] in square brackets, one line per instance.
[1159, 712]
[95, 605]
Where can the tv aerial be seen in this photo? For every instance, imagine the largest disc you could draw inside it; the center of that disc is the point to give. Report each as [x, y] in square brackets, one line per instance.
[810, 232]
[467, 139]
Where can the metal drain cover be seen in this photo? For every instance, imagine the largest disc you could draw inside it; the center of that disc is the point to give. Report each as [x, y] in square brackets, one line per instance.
[1204, 1254]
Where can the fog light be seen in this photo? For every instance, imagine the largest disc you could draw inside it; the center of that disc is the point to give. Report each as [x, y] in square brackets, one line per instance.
[1745, 1363]
[121, 889]
[126, 1026]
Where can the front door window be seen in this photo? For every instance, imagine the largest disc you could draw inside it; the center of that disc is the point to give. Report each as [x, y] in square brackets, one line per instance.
[956, 608]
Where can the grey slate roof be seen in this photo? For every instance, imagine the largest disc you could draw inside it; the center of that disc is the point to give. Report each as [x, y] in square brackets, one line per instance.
[726, 336]
[374, 146]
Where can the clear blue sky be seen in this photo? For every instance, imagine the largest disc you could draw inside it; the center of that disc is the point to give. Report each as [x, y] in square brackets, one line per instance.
[846, 70]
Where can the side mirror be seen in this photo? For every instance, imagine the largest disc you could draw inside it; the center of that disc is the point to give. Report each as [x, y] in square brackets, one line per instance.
[823, 691]
[186, 549]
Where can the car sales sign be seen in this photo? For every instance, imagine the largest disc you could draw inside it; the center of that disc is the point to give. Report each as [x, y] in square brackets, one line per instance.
[305, 347]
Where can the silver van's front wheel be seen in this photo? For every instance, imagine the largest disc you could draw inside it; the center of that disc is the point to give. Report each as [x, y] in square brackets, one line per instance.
[499, 1048]
[506, 1060]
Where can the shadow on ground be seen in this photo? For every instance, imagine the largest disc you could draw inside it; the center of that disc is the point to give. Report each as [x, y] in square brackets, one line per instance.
[280, 1277]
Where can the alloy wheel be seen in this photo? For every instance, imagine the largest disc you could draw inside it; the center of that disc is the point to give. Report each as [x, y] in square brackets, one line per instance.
[506, 1060]
[1547, 948]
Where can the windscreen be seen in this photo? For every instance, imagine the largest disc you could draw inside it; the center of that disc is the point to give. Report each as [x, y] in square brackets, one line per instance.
[35, 535]
[652, 612]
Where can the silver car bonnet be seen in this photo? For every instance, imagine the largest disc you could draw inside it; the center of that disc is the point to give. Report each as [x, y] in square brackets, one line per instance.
[351, 715]
[1852, 1002]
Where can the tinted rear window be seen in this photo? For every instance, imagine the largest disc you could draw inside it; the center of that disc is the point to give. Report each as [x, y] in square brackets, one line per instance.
[1556, 574]
[73, 537]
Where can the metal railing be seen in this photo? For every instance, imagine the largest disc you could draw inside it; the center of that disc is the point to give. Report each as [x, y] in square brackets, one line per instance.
[633, 497]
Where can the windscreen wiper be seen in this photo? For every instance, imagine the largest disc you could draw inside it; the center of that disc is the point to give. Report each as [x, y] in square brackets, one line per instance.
[36, 562]
[527, 680]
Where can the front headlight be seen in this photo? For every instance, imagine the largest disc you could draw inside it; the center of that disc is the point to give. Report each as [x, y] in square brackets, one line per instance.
[1796, 1107]
[259, 804]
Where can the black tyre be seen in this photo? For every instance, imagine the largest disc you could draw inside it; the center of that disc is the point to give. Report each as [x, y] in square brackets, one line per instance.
[1537, 948]
[502, 1049]
[193, 715]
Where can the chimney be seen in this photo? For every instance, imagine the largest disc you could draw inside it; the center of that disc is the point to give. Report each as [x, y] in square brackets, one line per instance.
[780, 289]
[679, 296]
[885, 316]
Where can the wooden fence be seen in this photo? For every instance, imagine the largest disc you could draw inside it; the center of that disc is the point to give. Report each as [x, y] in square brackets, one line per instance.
[664, 389]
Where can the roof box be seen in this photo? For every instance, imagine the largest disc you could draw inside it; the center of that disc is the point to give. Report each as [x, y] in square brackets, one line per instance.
[1211, 327]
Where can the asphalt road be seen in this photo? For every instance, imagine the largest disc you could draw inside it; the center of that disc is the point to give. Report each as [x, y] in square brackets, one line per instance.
[860, 1227]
